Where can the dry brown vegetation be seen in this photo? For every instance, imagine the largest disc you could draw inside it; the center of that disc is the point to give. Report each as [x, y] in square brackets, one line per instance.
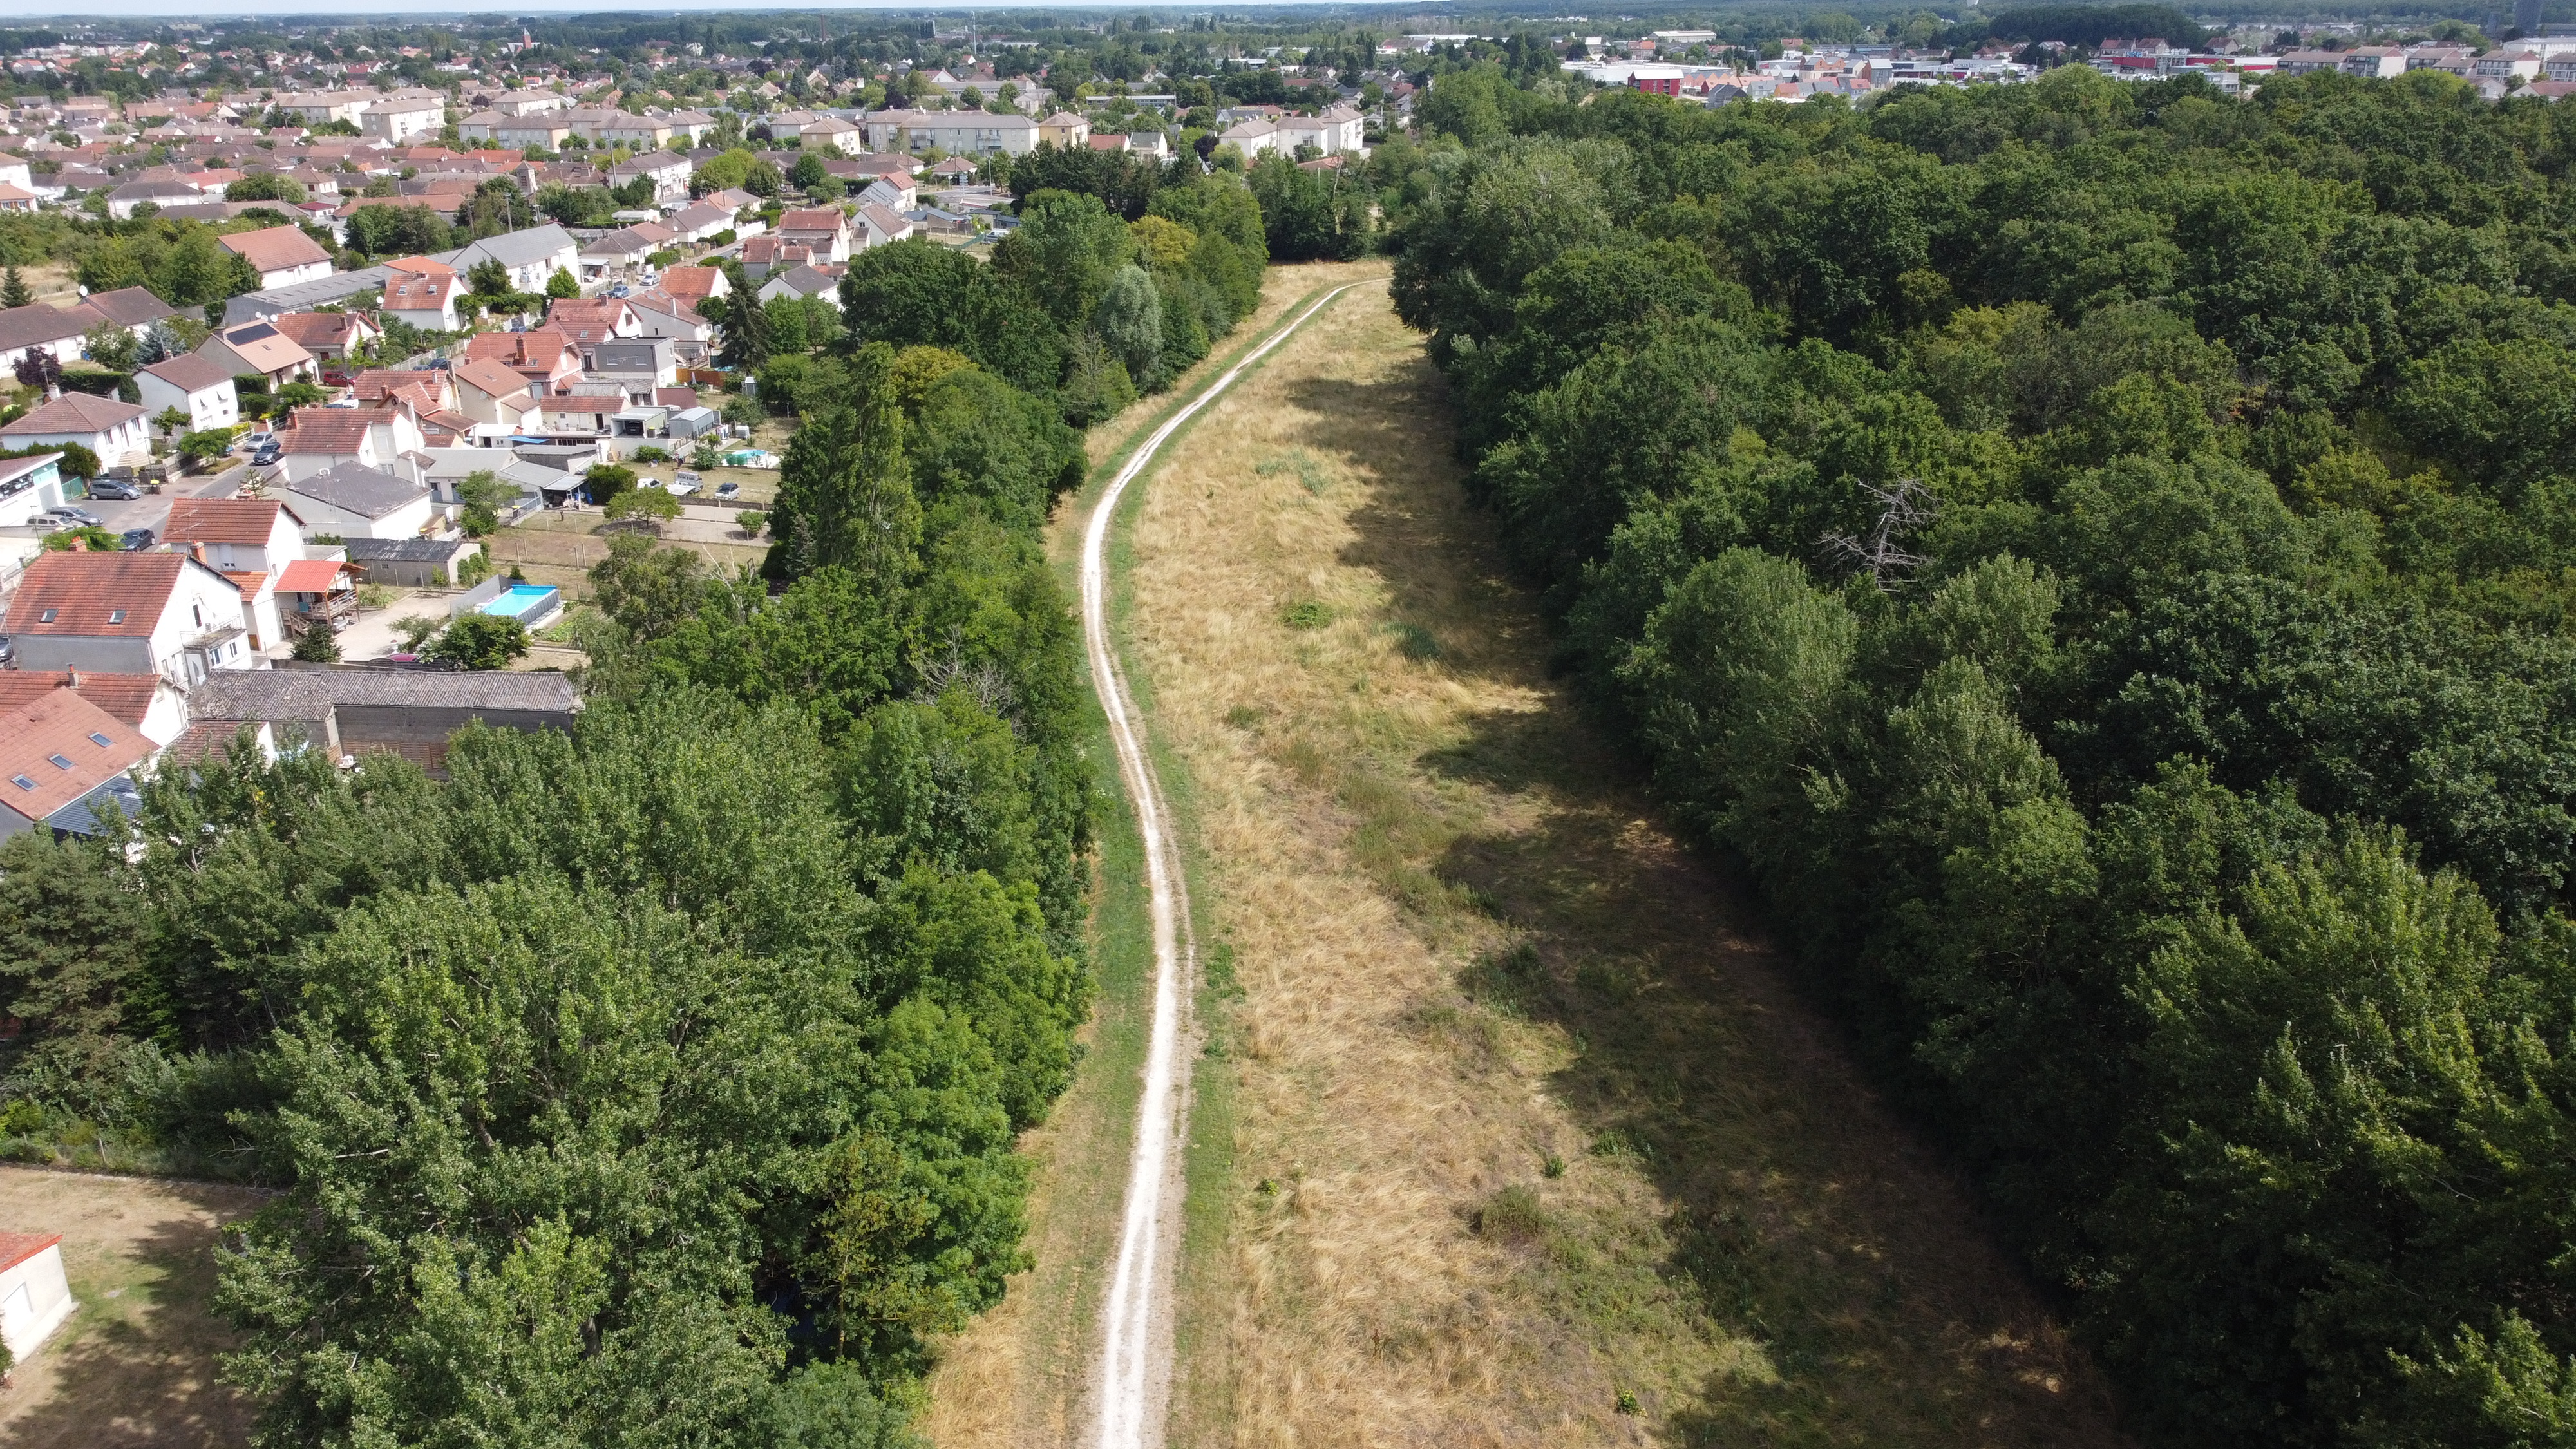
[134, 1365]
[1532, 1143]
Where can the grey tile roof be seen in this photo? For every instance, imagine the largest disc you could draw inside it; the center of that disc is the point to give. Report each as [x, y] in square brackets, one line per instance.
[404, 550]
[356, 488]
[307, 693]
[512, 249]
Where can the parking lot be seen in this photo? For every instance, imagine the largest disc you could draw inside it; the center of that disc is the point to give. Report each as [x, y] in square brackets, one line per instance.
[152, 510]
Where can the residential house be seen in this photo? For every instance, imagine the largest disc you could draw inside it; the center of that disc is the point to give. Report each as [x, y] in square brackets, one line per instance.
[1065, 131]
[803, 282]
[323, 439]
[956, 170]
[831, 133]
[764, 254]
[65, 765]
[1252, 138]
[824, 231]
[29, 486]
[621, 253]
[638, 364]
[270, 303]
[258, 347]
[280, 254]
[329, 336]
[399, 119]
[491, 393]
[316, 108]
[669, 174]
[161, 613]
[894, 193]
[968, 132]
[580, 414]
[147, 703]
[237, 535]
[882, 226]
[2503, 65]
[548, 360]
[1152, 144]
[38, 327]
[122, 201]
[700, 222]
[588, 322]
[531, 257]
[426, 300]
[693, 284]
[546, 130]
[663, 315]
[1338, 131]
[354, 500]
[195, 385]
[647, 132]
[115, 431]
[351, 711]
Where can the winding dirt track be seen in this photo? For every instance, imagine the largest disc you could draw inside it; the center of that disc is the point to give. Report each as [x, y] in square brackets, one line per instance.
[1135, 1370]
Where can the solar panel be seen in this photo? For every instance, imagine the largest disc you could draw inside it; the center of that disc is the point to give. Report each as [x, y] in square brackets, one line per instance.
[255, 332]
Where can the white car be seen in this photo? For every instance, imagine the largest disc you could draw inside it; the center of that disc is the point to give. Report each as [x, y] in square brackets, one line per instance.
[680, 487]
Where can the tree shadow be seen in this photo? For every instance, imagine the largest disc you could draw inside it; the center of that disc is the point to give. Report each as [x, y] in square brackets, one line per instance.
[1801, 1211]
[147, 1378]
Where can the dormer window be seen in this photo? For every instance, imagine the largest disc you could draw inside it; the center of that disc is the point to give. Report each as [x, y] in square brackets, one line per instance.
[116, 616]
[47, 617]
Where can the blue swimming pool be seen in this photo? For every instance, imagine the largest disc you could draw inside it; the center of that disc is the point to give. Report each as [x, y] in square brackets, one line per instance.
[525, 602]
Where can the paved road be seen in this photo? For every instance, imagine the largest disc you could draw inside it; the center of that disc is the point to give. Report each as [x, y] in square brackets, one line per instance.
[152, 510]
[1135, 1370]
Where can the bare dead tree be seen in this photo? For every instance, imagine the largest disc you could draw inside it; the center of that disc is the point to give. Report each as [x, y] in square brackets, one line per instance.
[1905, 506]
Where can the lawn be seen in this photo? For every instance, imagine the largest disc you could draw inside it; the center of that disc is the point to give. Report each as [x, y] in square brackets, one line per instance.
[134, 1365]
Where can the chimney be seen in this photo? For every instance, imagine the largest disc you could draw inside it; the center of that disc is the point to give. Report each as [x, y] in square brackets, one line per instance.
[79, 544]
[74, 678]
[197, 551]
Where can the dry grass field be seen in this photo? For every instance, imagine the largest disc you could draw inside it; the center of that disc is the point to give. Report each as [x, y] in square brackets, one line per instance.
[1526, 1139]
[134, 1365]
[1016, 1376]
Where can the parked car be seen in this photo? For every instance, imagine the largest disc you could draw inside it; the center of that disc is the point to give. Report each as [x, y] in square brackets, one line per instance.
[267, 456]
[728, 489]
[258, 439]
[686, 476]
[116, 488]
[8, 651]
[71, 515]
[135, 540]
[679, 489]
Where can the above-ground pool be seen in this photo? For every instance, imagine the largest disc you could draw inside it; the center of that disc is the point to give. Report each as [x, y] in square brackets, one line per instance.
[531, 604]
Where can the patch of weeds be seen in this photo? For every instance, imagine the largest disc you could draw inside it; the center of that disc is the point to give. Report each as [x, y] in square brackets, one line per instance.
[1473, 1032]
[1219, 968]
[1626, 1403]
[1553, 1167]
[1306, 614]
[1512, 1215]
[1613, 1143]
[1308, 468]
[1507, 980]
[1247, 717]
[1413, 641]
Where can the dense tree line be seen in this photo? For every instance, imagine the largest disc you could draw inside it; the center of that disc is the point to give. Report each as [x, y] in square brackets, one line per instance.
[2101, 555]
[1077, 306]
[655, 1082]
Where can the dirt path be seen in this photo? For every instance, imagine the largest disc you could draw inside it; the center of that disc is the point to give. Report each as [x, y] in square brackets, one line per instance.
[134, 1365]
[1527, 1140]
[1133, 1378]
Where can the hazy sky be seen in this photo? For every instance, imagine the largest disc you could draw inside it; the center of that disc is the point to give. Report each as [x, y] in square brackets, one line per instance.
[37, 11]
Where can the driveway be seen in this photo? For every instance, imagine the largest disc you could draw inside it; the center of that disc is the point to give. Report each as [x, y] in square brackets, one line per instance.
[152, 510]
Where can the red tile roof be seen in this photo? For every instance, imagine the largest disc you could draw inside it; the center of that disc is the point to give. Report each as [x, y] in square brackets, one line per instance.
[16, 1248]
[319, 329]
[276, 248]
[95, 593]
[126, 696]
[73, 412]
[491, 377]
[190, 372]
[312, 576]
[50, 755]
[223, 520]
[249, 581]
[690, 283]
[334, 431]
[423, 294]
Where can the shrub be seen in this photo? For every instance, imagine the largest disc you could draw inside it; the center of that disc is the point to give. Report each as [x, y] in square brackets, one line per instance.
[478, 641]
[320, 643]
[644, 503]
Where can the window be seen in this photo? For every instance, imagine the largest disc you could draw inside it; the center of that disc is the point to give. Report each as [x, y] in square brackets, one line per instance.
[100, 740]
[116, 616]
[59, 762]
[47, 617]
